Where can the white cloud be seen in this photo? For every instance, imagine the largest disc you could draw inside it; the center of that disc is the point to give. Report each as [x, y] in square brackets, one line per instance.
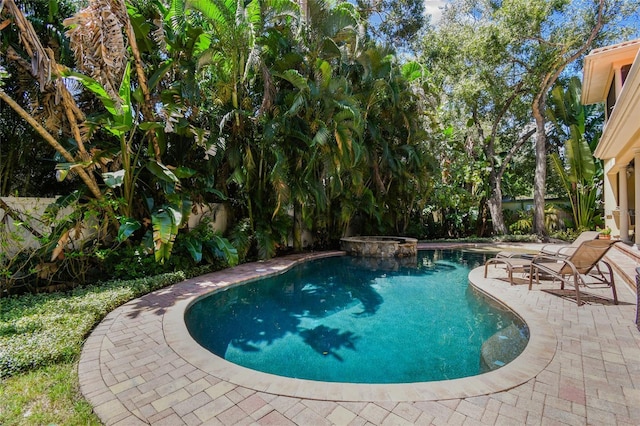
[434, 8]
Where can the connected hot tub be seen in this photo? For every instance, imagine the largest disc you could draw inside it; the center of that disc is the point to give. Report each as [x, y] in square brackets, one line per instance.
[378, 246]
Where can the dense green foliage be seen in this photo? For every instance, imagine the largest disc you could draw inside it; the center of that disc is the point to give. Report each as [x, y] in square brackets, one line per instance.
[580, 174]
[495, 63]
[44, 329]
[305, 119]
[296, 120]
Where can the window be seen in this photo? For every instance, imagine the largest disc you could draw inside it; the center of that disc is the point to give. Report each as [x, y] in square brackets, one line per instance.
[611, 99]
[624, 71]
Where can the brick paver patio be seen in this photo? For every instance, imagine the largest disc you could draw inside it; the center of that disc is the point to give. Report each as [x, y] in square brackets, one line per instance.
[581, 367]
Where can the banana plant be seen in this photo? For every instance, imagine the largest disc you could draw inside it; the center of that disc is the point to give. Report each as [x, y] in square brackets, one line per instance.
[577, 169]
[167, 219]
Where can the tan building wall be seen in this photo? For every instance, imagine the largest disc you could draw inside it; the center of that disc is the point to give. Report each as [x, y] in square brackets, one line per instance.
[612, 76]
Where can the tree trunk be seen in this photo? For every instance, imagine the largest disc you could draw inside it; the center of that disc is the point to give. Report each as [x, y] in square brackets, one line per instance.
[495, 206]
[297, 227]
[538, 108]
[540, 178]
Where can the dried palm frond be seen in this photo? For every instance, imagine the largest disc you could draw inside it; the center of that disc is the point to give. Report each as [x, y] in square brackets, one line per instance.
[49, 113]
[97, 40]
[22, 74]
[159, 35]
[41, 62]
[270, 91]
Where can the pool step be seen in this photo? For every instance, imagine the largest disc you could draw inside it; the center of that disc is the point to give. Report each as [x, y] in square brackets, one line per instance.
[503, 347]
[624, 259]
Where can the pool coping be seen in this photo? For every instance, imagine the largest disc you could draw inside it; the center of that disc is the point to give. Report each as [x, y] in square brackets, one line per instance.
[537, 355]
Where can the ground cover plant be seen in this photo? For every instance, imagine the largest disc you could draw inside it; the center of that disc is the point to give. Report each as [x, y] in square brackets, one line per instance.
[41, 337]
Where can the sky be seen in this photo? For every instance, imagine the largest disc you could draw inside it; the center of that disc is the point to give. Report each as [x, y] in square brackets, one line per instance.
[433, 8]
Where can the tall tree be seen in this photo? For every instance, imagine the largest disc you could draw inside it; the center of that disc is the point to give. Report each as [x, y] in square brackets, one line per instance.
[553, 36]
[397, 23]
[534, 42]
[485, 91]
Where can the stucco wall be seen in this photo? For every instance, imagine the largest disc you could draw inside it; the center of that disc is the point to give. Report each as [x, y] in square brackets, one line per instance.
[14, 238]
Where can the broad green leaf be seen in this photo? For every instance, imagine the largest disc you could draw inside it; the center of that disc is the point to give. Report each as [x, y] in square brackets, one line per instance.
[184, 172]
[141, 27]
[161, 171]
[326, 71]
[114, 179]
[160, 73]
[295, 78]
[194, 246]
[138, 96]
[176, 215]
[223, 248]
[221, 13]
[412, 71]
[165, 228]
[128, 226]
[202, 43]
[94, 87]
[330, 49]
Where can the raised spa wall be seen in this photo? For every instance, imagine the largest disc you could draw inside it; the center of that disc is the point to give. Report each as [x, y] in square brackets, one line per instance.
[372, 246]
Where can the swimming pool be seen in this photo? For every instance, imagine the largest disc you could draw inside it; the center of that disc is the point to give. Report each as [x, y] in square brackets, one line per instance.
[336, 320]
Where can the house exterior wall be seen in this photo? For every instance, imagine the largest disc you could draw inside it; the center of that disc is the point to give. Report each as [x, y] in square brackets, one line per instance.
[618, 67]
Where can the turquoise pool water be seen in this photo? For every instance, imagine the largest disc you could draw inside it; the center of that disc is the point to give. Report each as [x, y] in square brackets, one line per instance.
[343, 319]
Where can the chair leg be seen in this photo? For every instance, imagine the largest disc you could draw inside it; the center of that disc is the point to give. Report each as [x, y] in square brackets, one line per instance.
[611, 282]
[531, 268]
[576, 284]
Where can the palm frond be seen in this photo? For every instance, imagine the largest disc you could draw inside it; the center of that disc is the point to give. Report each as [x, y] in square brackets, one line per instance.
[98, 43]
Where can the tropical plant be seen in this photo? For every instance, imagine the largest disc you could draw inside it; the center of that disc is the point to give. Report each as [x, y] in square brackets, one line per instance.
[28, 169]
[121, 127]
[399, 165]
[318, 123]
[579, 172]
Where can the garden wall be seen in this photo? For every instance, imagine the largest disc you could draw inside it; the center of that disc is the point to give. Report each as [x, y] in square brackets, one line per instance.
[30, 210]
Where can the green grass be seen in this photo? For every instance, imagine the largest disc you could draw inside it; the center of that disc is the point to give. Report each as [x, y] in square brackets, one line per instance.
[41, 338]
[45, 396]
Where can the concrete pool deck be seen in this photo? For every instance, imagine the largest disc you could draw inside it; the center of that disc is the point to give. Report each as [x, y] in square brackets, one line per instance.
[582, 366]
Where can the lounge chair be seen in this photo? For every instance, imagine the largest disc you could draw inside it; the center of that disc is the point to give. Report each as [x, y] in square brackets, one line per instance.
[516, 262]
[552, 249]
[573, 270]
[513, 264]
[567, 249]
